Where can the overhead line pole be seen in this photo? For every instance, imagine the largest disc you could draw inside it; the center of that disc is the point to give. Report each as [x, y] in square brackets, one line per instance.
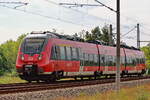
[118, 41]
[138, 36]
[118, 47]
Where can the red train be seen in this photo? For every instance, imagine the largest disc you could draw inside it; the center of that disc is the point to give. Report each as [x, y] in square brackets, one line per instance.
[48, 56]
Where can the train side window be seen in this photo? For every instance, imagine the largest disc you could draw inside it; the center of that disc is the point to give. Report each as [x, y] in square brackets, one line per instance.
[110, 60]
[96, 60]
[74, 54]
[102, 60]
[143, 60]
[140, 60]
[53, 54]
[133, 61]
[114, 60]
[90, 59]
[80, 54]
[86, 59]
[126, 61]
[62, 53]
[57, 52]
[68, 53]
[123, 60]
[137, 61]
[77, 51]
[106, 60]
[130, 59]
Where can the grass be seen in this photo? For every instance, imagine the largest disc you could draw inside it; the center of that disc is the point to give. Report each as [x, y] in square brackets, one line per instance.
[8, 78]
[136, 93]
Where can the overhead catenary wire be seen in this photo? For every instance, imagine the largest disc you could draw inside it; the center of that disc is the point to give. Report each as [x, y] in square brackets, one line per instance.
[52, 2]
[105, 6]
[60, 19]
[129, 31]
[45, 16]
[19, 4]
[4, 2]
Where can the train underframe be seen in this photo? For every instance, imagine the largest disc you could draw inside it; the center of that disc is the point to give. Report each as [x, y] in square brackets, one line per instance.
[33, 73]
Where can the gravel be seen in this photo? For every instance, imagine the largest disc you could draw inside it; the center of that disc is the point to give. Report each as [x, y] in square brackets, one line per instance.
[70, 92]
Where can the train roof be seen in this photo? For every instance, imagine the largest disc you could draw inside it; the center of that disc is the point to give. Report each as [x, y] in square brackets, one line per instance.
[48, 34]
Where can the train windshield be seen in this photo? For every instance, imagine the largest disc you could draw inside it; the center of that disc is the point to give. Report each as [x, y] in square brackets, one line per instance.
[33, 45]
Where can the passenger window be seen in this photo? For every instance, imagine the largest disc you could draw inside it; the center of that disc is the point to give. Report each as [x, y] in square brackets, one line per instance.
[53, 53]
[80, 53]
[74, 54]
[114, 60]
[62, 53]
[86, 59]
[110, 59]
[91, 59]
[77, 51]
[68, 53]
[102, 60]
[95, 59]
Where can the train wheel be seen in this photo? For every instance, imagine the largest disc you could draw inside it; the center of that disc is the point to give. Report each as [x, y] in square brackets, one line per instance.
[38, 81]
[75, 78]
[90, 78]
[81, 78]
[29, 81]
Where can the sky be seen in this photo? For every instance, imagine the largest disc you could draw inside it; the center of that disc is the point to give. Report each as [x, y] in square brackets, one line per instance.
[45, 15]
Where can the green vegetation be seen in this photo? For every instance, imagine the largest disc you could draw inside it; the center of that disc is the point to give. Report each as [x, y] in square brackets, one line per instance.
[146, 50]
[136, 93]
[8, 55]
[9, 78]
[99, 34]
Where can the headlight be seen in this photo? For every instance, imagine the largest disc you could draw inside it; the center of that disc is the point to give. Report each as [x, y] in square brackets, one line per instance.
[22, 57]
[40, 57]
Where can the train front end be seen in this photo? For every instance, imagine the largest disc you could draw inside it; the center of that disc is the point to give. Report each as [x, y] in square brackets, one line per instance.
[32, 57]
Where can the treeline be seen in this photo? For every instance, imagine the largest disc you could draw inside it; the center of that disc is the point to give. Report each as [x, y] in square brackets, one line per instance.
[101, 34]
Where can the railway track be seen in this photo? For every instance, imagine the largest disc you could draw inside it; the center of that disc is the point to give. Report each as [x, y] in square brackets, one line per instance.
[29, 87]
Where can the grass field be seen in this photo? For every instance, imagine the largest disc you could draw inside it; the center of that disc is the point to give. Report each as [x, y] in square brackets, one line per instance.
[8, 78]
[136, 93]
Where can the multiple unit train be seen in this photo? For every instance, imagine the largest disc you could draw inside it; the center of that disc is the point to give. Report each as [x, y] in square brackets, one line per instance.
[45, 56]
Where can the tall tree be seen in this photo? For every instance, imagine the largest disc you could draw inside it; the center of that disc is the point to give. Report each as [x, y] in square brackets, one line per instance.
[99, 34]
[105, 35]
[96, 33]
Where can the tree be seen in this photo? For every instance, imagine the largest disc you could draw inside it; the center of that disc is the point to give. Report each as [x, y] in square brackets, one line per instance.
[96, 33]
[8, 54]
[99, 34]
[146, 50]
[105, 35]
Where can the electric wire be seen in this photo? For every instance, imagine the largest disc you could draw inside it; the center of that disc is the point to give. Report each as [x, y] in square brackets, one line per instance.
[45, 16]
[129, 31]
